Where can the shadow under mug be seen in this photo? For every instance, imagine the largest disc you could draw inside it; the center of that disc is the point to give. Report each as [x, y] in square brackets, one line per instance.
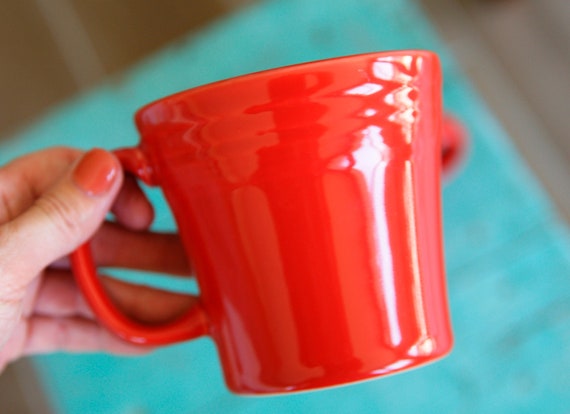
[308, 201]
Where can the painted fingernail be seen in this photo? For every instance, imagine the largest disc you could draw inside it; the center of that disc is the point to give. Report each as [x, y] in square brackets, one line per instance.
[96, 172]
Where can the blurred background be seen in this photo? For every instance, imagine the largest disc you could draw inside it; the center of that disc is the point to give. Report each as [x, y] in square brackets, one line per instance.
[515, 52]
[52, 50]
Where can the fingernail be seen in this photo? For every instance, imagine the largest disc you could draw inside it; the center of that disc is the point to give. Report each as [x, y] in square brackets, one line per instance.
[96, 172]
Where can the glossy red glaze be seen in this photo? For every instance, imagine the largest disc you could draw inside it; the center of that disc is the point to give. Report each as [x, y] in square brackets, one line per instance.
[454, 144]
[308, 199]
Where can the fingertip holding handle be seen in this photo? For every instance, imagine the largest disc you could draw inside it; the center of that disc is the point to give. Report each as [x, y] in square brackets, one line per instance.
[192, 324]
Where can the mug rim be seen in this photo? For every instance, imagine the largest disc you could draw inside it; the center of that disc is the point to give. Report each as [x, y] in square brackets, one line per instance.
[275, 71]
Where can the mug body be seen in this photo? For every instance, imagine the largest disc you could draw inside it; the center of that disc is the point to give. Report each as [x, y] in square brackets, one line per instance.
[308, 200]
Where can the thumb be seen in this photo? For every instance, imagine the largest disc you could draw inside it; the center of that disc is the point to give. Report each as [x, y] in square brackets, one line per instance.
[62, 218]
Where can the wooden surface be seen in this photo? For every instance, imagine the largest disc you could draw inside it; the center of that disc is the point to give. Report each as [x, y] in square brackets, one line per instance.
[51, 50]
[516, 54]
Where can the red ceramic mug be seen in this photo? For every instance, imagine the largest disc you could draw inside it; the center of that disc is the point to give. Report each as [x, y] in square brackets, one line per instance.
[308, 201]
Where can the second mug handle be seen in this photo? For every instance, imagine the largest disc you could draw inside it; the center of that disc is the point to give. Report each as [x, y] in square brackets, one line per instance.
[454, 144]
[192, 324]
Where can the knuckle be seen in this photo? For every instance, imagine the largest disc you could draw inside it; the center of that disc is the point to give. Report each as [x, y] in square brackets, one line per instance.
[15, 196]
[63, 215]
[6, 210]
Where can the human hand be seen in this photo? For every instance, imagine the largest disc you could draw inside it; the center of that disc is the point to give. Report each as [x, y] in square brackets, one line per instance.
[51, 202]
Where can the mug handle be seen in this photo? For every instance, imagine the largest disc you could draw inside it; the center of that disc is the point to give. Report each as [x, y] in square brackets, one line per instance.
[454, 144]
[193, 324]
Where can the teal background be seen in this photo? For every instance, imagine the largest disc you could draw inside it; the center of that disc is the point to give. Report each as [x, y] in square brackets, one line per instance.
[507, 251]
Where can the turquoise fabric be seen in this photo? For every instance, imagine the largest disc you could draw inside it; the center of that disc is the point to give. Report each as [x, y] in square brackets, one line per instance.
[507, 252]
